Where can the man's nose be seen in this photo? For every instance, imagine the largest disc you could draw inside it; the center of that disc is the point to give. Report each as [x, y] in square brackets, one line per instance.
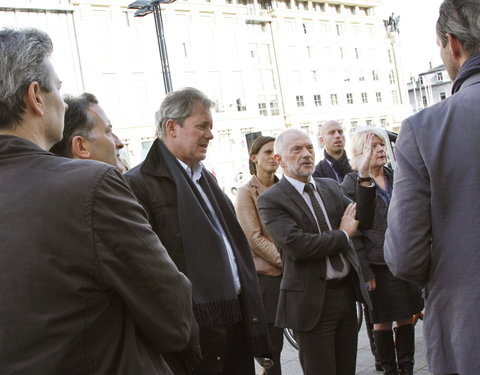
[209, 133]
[118, 143]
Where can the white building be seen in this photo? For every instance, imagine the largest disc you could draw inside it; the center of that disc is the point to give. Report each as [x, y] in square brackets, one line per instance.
[429, 88]
[266, 64]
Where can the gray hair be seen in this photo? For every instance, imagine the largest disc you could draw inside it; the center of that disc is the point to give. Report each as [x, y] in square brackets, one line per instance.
[460, 18]
[23, 54]
[358, 142]
[279, 144]
[178, 105]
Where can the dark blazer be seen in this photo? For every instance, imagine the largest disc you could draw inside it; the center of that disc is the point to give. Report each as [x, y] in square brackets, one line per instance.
[294, 230]
[86, 286]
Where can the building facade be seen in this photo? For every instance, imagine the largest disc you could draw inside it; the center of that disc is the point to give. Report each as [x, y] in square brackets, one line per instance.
[267, 64]
[429, 87]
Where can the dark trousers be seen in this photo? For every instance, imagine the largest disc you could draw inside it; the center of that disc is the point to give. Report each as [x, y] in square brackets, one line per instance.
[331, 347]
[276, 335]
[225, 351]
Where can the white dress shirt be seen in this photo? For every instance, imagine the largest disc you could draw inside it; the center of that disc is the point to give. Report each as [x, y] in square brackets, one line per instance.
[195, 175]
[300, 187]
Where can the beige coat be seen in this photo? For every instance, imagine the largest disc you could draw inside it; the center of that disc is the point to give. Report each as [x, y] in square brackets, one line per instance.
[265, 255]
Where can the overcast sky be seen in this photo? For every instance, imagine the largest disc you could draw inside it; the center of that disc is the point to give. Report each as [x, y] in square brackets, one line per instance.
[417, 32]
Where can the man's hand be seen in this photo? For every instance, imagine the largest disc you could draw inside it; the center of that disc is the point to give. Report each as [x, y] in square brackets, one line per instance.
[371, 285]
[348, 223]
[366, 157]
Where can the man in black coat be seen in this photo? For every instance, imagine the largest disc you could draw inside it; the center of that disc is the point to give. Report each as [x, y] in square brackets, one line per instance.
[311, 222]
[335, 163]
[196, 222]
[86, 286]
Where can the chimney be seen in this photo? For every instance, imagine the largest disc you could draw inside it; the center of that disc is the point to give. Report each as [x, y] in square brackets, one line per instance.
[430, 63]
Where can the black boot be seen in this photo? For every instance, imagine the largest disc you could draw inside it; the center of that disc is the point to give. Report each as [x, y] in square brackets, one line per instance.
[385, 349]
[369, 325]
[405, 345]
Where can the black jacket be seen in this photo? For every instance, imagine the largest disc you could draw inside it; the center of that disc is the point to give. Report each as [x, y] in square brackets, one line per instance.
[155, 189]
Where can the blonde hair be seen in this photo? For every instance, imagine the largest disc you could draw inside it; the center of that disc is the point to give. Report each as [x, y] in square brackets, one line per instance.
[358, 142]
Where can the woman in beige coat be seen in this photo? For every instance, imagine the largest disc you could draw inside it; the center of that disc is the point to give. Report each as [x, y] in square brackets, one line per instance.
[265, 255]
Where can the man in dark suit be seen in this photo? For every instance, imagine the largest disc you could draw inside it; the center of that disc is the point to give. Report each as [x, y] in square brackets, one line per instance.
[311, 223]
[335, 161]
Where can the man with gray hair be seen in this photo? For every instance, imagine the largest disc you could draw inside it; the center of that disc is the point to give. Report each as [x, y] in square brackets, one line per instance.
[335, 163]
[311, 222]
[86, 286]
[197, 223]
[433, 232]
[87, 133]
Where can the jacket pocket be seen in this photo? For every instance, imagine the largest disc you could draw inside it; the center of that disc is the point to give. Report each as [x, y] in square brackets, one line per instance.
[292, 284]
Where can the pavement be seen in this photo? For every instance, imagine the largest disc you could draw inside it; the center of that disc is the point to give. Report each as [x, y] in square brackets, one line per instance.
[365, 360]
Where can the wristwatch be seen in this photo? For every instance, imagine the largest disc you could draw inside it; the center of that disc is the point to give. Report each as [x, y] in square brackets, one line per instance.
[365, 179]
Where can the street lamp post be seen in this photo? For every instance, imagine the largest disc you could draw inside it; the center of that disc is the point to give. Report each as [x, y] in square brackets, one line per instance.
[145, 7]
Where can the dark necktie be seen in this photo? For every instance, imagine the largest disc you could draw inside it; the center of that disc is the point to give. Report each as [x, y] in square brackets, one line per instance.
[335, 260]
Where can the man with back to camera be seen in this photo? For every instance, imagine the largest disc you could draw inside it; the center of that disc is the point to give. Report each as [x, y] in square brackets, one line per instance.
[86, 286]
[197, 223]
[335, 162]
[87, 132]
[311, 222]
[433, 232]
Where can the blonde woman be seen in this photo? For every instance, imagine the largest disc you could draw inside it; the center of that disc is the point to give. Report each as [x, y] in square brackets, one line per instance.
[265, 255]
[393, 300]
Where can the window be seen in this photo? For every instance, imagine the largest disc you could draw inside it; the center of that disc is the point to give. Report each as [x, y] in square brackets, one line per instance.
[420, 80]
[391, 77]
[361, 75]
[342, 52]
[443, 96]
[364, 97]
[383, 122]
[262, 109]
[357, 53]
[300, 102]
[353, 125]
[395, 97]
[365, 11]
[369, 122]
[349, 98]
[317, 99]
[390, 60]
[240, 107]
[340, 29]
[318, 7]
[337, 8]
[274, 107]
[374, 75]
[378, 95]
[314, 76]
[346, 76]
[309, 52]
[439, 76]
[351, 9]
[333, 99]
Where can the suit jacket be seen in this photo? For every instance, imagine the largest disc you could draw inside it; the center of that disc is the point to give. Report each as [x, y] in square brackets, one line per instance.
[433, 232]
[294, 230]
[86, 286]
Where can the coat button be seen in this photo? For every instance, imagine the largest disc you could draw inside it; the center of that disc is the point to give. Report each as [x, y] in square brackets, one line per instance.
[255, 320]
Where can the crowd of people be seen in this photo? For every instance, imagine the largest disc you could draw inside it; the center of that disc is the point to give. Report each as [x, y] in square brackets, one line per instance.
[153, 271]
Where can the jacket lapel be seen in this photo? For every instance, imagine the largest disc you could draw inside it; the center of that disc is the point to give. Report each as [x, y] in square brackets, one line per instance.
[297, 199]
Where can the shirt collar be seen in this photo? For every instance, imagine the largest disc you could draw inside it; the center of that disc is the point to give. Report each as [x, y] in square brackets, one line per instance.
[195, 172]
[299, 185]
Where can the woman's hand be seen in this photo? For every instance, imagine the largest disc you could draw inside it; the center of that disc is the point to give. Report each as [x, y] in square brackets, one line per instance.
[366, 157]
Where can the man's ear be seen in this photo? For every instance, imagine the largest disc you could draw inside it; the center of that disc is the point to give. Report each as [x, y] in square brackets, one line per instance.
[80, 148]
[456, 49]
[171, 128]
[320, 142]
[34, 99]
[278, 159]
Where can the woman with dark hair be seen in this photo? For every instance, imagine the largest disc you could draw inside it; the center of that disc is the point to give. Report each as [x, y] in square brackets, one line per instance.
[393, 300]
[265, 255]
